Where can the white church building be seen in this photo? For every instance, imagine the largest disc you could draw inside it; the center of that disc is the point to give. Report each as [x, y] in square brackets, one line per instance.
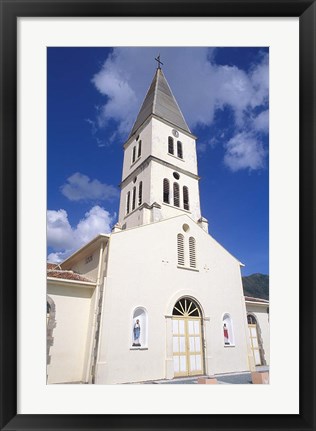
[159, 297]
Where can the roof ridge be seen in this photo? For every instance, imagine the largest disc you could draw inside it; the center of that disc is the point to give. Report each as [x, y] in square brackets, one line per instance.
[175, 100]
[160, 101]
[155, 91]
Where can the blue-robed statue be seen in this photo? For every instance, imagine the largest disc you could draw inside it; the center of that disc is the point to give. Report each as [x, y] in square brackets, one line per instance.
[136, 333]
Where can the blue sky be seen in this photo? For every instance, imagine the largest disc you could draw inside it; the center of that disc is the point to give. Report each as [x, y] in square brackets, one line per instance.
[94, 95]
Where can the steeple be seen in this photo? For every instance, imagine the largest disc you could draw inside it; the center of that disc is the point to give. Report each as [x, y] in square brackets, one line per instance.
[160, 178]
[160, 101]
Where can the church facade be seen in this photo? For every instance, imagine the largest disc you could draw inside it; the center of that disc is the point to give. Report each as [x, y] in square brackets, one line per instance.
[159, 297]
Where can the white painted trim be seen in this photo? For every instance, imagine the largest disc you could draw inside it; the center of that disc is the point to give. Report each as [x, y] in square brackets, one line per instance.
[188, 268]
[176, 157]
[257, 303]
[75, 282]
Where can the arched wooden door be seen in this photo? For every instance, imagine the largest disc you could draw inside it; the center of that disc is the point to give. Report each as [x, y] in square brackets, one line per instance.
[254, 339]
[187, 339]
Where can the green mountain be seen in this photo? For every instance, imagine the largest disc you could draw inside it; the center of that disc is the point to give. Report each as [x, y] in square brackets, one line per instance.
[256, 285]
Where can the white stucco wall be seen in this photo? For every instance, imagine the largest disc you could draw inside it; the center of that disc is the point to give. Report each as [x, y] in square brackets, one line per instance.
[262, 316]
[72, 332]
[160, 134]
[88, 268]
[143, 272]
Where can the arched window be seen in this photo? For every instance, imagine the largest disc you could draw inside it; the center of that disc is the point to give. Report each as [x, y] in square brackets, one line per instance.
[134, 198]
[251, 319]
[176, 195]
[228, 330]
[186, 307]
[140, 193]
[186, 205]
[166, 197]
[128, 200]
[170, 145]
[180, 248]
[140, 328]
[179, 150]
[192, 252]
[139, 149]
[134, 155]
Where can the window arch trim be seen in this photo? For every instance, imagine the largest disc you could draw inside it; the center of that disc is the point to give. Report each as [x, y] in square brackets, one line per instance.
[187, 306]
[252, 316]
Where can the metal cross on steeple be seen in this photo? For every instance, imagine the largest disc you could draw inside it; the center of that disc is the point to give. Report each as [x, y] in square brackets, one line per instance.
[159, 62]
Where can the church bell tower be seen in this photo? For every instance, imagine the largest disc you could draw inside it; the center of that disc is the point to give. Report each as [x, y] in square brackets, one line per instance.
[160, 178]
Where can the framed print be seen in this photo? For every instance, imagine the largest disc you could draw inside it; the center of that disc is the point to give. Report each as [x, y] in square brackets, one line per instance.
[179, 315]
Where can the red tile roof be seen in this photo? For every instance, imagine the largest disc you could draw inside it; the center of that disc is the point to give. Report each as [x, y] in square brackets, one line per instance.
[67, 275]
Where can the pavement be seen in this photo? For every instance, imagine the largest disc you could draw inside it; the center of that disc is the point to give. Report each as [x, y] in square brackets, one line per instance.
[243, 378]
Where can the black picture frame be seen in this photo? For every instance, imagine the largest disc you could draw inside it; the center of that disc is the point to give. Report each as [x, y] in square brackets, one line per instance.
[10, 11]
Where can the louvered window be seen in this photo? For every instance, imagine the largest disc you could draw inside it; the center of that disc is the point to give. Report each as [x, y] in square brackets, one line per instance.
[134, 198]
[176, 195]
[128, 200]
[186, 205]
[192, 252]
[140, 193]
[166, 198]
[170, 145]
[139, 149]
[180, 245]
[179, 150]
[134, 154]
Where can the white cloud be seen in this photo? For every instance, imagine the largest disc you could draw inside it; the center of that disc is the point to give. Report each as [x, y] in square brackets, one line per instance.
[261, 122]
[65, 239]
[124, 79]
[57, 257]
[59, 231]
[200, 86]
[244, 151]
[80, 187]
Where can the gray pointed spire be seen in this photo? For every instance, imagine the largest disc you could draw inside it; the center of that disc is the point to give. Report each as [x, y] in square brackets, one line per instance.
[160, 101]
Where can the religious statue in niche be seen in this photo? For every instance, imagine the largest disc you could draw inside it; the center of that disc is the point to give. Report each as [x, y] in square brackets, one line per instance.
[226, 336]
[136, 333]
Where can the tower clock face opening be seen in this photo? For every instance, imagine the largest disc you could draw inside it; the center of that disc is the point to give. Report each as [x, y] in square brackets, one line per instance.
[175, 133]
